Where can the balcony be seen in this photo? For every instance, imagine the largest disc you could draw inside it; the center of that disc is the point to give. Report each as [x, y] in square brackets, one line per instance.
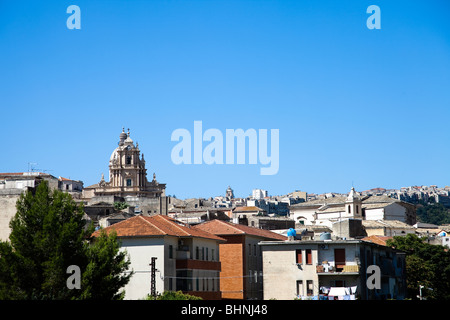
[183, 252]
[198, 264]
[323, 269]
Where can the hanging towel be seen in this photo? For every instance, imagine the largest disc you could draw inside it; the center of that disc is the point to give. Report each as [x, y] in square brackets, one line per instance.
[353, 289]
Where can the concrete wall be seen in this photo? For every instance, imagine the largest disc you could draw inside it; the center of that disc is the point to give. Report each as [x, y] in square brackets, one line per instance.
[8, 199]
[140, 252]
[281, 272]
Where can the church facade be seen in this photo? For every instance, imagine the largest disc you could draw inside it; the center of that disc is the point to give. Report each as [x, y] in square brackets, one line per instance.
[128, 181]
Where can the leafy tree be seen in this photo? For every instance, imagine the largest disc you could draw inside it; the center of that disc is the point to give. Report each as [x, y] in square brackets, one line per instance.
[49, 234]
[435, 213]
[426, 264]
[120, 205]
[103, 276]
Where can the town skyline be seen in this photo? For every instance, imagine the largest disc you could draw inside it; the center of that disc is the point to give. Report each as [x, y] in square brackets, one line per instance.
[353, 106]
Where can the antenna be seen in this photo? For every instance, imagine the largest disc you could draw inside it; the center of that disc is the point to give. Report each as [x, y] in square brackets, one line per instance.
[31, 167]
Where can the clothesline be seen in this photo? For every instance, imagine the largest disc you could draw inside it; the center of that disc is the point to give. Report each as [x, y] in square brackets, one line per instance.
[333, 293]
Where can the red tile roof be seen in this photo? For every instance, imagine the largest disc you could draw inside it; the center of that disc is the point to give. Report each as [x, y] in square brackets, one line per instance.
[158, 225]
[377, 239]
[250, 208]
[222, 228]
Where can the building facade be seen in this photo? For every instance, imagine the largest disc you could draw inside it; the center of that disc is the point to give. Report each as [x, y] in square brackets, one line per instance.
[187, 259]
[240, 257]
[13, 184]
[354, 206]
[331, 270]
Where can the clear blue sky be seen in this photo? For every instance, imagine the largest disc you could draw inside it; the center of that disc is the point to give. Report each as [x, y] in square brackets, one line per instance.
[352, 105]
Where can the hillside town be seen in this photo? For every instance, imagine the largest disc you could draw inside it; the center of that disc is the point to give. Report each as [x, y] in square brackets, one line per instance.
[294, 246]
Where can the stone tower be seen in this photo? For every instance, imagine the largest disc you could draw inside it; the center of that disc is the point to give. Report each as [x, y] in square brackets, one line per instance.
[127, 178]
[353, 204]
[229, 193]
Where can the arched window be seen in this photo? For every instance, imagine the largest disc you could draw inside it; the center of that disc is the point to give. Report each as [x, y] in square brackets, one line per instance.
[128, 159]
[128, 182]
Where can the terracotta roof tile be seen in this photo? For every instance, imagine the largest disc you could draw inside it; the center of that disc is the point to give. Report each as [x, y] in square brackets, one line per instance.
[222, 228]
[158, 225]
[377, 239]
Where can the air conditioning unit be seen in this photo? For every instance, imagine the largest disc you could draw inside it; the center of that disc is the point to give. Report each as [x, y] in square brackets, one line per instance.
[323, 246]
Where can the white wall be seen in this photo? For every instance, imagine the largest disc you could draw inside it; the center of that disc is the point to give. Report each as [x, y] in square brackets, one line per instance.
[295, 213]
[393, 211]
[140, 252]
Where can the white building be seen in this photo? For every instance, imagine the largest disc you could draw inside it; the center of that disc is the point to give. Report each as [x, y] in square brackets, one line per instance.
[259, 194]
[329, 210]
[187, 259]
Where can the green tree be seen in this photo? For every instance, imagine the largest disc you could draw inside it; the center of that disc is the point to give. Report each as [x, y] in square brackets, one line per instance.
[120, 205]
[174, 295]
[435, 213]
[426, 264]
[103, 277]
[49, 234]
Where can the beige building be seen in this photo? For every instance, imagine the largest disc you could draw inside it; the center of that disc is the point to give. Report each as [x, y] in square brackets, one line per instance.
[389, 228]
[330, 270]
[13, 184]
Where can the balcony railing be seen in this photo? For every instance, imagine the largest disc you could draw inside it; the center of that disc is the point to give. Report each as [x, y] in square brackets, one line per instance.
[341, 269]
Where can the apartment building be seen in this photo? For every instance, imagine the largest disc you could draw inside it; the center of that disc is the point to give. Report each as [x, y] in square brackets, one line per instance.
[325, 269]
[240, 257]
[187, 259]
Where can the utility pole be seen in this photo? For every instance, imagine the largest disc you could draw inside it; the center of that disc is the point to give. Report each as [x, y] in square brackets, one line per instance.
[153, 278]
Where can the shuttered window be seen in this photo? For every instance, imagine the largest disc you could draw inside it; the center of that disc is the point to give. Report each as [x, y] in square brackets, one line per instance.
[298, 254]
[308, 256]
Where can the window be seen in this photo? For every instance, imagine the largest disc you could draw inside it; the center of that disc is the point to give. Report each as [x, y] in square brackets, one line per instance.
[249, 249]
[339, 258]
[128, 182]
[254, 250]
[128, 159]
[308, 256]
[197, 253]
[203, 253]
[298, 254]
[357, 209]
[207, 258]
[309, 288]
[170, 252]
[299, 287]
[212, 255]
[349, 209]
